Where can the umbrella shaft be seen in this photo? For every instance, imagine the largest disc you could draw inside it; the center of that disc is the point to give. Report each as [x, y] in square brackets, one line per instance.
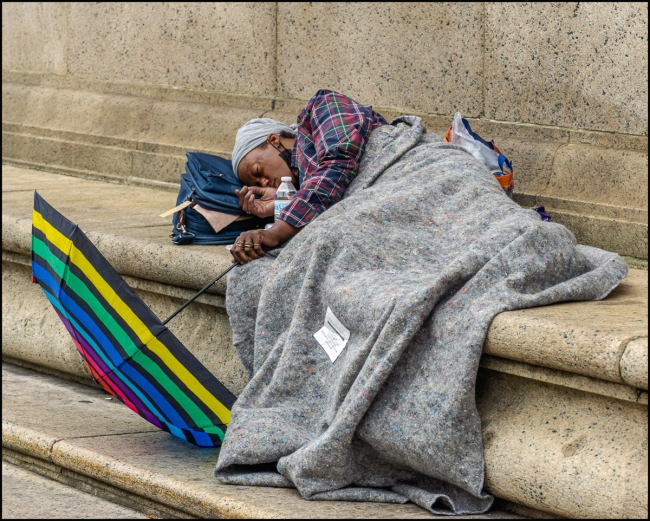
[198, 294]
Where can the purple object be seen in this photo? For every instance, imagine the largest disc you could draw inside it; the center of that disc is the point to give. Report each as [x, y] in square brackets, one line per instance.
[544, 216]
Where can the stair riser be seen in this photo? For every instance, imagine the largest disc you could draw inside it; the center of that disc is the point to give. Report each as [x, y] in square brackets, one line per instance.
[91, 160]
[562, 450]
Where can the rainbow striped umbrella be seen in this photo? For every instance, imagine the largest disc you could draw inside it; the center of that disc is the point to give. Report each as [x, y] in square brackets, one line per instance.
[129, 352]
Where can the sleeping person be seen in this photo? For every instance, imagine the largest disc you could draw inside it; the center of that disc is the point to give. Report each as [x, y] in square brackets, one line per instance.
[322, 155]
[362, 336]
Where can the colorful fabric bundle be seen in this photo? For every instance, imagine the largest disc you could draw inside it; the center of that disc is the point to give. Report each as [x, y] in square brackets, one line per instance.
[461, 133]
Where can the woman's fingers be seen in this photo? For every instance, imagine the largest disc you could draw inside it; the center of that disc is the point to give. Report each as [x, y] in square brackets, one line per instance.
[253, 189]
[258, 190]
[244, 202]
[250, 200]
[248, 247]
[253, 246]
[241, 194]
[245, 195]
[238, 251]
[250, 251]
[258, 245]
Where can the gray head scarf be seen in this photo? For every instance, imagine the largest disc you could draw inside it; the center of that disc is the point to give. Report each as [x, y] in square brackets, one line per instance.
[252, 135]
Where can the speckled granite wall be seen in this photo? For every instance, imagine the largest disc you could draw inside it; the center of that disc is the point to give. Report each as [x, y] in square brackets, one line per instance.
[119, 91]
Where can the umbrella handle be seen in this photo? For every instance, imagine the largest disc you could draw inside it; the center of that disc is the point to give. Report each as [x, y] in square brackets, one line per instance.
[199, 293]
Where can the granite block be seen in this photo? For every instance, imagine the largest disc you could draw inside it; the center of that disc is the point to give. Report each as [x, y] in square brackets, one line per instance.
[66, 135]
[609, 140]
[66, 408]
[207, 46]
[585, 338]
[31, 330]
[140, 90]
[196, 126]
[571, 453]
[159, 467]
[601, 175]
[123, 223]
[577, 65]
[562, 378]
[559, 450]
[158, 167]
[409, 56]
[19, 180]
[34, 36]
[634, 363]
[78, 111]
[38, 150]
[33, 333]
[26, 495]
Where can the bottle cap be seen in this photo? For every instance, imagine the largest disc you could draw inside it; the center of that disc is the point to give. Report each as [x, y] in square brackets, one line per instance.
[286, 179]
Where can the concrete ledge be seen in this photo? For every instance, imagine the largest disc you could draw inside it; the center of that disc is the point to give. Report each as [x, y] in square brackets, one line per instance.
[585, 338]
[563, 450]
[634, 363]
[583, 456]
[93, 486]
[123, 222]
[582, 338]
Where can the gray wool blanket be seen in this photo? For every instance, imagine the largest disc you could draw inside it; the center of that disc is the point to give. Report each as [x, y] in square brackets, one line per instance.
[415, 262]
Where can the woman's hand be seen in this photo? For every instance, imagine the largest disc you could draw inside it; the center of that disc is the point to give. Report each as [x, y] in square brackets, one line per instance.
[262, 207]
[251, 245]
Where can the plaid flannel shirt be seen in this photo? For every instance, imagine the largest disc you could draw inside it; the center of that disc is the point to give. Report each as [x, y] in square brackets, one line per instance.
[331, 137]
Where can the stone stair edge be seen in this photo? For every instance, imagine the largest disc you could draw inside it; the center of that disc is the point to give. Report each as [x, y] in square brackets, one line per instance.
[100, 457]
[629, 392]
[134, 122]
[145, 133]
[133, 258]
[142, 482]
[123, 451]
[94, 176]
[100, 140]
[50, 455]
[130, 132]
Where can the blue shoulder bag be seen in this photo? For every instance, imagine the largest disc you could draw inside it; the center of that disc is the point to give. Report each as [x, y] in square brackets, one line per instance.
[210, 182]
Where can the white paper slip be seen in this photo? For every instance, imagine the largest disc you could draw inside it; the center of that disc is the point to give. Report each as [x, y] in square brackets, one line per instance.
[332, 336]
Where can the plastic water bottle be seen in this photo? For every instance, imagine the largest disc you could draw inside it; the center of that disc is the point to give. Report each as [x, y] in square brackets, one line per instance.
[283, 196]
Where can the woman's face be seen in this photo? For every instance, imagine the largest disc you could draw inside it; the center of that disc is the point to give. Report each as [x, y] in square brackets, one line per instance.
[264, 167]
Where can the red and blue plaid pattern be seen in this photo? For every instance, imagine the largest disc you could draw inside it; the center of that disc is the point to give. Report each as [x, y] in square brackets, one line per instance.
[331, 137]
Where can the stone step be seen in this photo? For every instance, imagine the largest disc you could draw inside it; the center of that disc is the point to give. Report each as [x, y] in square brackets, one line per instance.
[81, 437]
[594, 339]
[562, 390]
[28, 495]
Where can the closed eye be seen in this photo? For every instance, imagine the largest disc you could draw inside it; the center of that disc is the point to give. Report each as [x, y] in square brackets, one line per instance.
[257, 176]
